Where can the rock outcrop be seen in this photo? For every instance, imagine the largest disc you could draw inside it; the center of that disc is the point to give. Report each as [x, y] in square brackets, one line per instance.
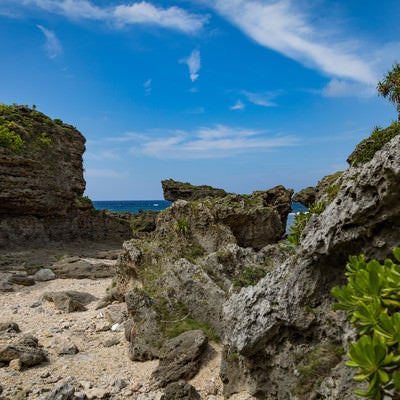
[325, 191]
[177, 278]
[174, 190]
[42, 184]
[282, 337]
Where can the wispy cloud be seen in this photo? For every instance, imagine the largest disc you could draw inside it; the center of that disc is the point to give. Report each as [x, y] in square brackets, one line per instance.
[280, 26]
[121, 15]
[53, 46]
[261, 99]
[209, 142]
[194, 64]
[145, 13]
[147, 87]
[239, 105]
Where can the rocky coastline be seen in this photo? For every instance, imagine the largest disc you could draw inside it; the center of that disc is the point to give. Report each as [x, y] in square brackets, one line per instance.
[204, 300]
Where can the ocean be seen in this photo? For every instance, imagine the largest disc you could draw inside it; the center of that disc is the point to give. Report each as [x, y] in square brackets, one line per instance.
[134, 206]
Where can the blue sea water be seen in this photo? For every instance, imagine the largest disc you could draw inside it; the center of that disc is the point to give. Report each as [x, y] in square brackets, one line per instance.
[134, 206]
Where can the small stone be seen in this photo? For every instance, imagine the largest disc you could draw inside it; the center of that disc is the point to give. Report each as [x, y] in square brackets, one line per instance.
[16, 365]
[111, 342]
[44, 275]
[68, 349]
[9, 327]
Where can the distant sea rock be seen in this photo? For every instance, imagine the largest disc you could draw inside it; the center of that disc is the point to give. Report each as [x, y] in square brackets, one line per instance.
[174, 190]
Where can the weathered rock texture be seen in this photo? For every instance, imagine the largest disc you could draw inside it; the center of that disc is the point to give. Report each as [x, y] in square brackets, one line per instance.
[178, 277]
[42, 184]
[282, 338]
[174, 190]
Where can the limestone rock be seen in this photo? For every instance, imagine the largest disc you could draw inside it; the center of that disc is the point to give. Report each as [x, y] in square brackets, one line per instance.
[42, 185]
[180, 391]
[25, 349]
[180, 358]
[63, 391]
[70, 300]
[9, 327]
[306, 196]
[174, 190]
[21, 279]
[143, 332]
[275, 328]
[44, 275]
[77, 268]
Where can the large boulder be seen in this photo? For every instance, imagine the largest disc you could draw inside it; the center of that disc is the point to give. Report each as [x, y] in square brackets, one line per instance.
[282, 337]
[42, 183]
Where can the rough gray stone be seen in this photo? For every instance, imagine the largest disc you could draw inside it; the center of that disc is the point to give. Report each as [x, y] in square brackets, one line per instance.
[7, 327]
[70, 300]
[274, 327]
[180, 391]
[180, 358]
[25, 349]
[63, 391]
[44, 275]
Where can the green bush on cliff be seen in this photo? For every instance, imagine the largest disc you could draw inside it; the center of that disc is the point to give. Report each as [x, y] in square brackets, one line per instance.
[10, 140]
[372, 301]
[367, 148]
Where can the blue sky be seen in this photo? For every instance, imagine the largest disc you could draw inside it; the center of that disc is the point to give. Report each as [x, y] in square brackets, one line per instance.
[238, 94]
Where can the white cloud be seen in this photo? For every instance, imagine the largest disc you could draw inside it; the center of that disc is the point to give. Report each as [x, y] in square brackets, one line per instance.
[145, 13]
[239, 105]
[194, 64]
[341, 88]
[215, 142]
[278, 25]
[53, 46]
[174, 18]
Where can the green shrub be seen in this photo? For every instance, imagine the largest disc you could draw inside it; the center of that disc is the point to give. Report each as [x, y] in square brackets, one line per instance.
[372, 301]
[249, 276]
[43, 140]
[300, 222]
[182, 226]
[10, 140]
[367, 148]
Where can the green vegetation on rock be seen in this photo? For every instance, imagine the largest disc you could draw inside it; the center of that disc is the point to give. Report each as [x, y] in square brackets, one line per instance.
[372, 301]
[367, 148]
[300, 222]
[249, 276]
[10, 140]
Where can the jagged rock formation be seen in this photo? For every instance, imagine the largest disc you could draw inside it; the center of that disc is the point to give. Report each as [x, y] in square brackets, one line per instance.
[282, 338]
[174, 190]
[42, 184]
[326, 190]
[178, 277]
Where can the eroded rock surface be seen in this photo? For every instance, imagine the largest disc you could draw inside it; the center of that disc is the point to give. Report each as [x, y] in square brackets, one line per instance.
[278, 329]
[42, 184]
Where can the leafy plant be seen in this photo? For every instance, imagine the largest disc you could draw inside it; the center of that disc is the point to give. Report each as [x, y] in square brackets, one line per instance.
[372, 301]
[300, 222]
[10, 140]
[182, 226]
[43, 140]
[389, 87]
